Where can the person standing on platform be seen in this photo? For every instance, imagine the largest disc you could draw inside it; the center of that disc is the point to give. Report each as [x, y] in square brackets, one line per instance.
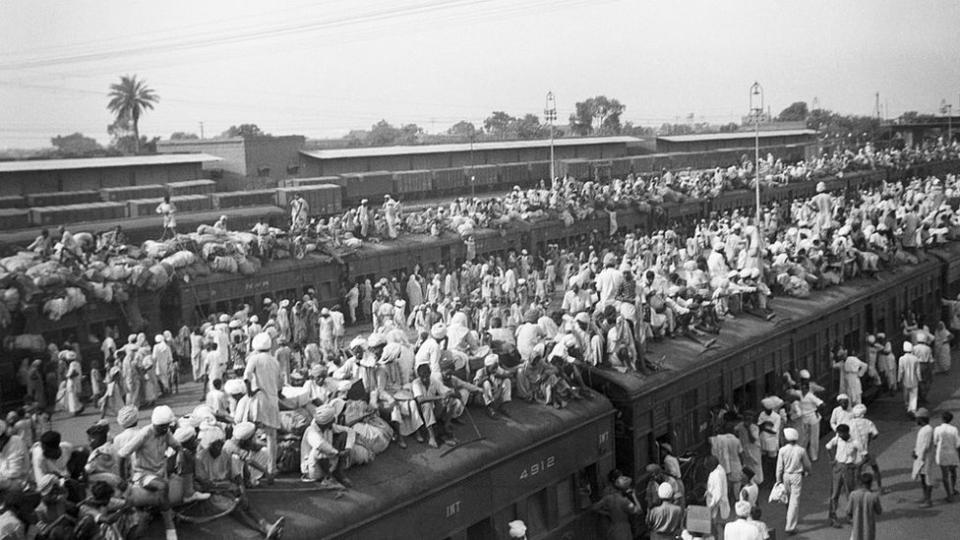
[924, 456]
[770, 423]
[887, 365]
[810, 420]
[924, 355]
[742, 528]
[941, 348]
[846, 464]
[864, 509]
[716, 496]
[946, 439]
[792, 465]
[841, 413]
[619, 504]
[665, 520]
[909, 377]
[863, 431]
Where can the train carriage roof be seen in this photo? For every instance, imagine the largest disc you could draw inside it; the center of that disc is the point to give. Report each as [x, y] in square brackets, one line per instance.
[398, 478]
[682, 356]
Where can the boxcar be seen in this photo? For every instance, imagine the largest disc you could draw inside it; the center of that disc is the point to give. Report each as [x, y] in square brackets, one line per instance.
[675, 404]
[540, 465]
[187, 303]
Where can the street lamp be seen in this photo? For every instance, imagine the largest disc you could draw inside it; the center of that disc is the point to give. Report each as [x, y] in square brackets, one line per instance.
[550, 114]
[756, 110]
[947, 108]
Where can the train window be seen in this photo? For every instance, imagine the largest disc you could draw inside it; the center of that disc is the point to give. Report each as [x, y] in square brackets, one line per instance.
[868, 317]
[537, 515]
[326, 290]
[566, 497]
[504, 516]
[480, 530]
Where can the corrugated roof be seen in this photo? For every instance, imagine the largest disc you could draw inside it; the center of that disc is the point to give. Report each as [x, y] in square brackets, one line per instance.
[380, 151]
[737, 135]
[99, 163]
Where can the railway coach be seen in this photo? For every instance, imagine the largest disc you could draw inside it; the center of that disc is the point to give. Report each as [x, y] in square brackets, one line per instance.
[675, 404]
[542, 465]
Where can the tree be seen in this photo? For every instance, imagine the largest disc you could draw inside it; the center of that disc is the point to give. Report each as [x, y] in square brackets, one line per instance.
[463, 129]
[129, 99]
[528, 127]
[247, 131]
[911, 117]
[797, 111]
[183, 136]
[382, 134]
[637, 131]
[732, 127]
[76, 144]
[409, 134]
[598, 114]
[498, 124]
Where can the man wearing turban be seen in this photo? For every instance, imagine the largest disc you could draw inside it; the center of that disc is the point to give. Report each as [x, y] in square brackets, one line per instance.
[323, 447]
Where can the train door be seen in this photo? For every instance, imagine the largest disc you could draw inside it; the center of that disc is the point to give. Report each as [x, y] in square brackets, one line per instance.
[688, 429]
[745, 395]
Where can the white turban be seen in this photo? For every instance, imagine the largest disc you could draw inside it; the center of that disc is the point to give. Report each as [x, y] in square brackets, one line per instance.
[262, 342]
[162, 415]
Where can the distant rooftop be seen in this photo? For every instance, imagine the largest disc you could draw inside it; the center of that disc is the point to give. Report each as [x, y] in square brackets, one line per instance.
[379, 151]
[736, 135]
[102, 162]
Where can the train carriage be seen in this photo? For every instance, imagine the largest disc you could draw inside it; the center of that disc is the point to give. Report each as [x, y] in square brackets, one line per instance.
[676, 404]
[540, 465]
[190, 302]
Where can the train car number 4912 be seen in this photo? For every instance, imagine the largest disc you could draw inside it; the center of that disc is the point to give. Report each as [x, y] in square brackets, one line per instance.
[538, 467]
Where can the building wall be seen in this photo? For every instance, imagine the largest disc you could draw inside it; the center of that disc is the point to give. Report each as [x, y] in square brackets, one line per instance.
[22, 183]
[230, 150]
[274, 153]
[310, 166]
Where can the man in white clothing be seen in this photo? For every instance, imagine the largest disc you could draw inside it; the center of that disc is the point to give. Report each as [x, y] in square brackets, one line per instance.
[792, 465]
[716, 496]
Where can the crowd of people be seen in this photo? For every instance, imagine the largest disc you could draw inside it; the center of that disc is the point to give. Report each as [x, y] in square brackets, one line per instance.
[285, 391]
[464, 215]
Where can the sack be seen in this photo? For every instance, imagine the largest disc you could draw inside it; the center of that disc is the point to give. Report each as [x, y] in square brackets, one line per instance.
[27, 342]
[779, 494]
[294, 422]
[370, 437]
[360, 455]
[224, 264]
[375, 421]
[288, 455]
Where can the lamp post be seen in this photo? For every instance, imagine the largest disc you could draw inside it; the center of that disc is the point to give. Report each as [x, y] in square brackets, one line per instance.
[756, 109]
[473, 179]
[550, 114]
[947, 108]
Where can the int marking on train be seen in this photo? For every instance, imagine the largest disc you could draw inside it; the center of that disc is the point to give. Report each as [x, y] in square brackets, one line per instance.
[604, 437]
[538, 467]
[452, 509]
[256, 285]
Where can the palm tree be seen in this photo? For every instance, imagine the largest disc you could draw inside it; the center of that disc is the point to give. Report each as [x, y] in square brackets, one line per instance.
[128, 100]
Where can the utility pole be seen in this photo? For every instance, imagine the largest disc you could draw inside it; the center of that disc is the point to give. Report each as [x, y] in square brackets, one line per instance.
[756, 109]
[201, 129]
[877, 105]
[550, 114]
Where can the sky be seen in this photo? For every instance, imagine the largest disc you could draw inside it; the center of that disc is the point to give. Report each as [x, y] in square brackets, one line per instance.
[325, 67]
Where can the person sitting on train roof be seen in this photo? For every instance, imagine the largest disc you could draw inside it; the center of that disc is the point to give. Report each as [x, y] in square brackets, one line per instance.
[325, 447]
[220, 472]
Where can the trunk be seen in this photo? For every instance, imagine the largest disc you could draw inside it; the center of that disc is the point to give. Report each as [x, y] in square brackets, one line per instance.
[136, 136]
